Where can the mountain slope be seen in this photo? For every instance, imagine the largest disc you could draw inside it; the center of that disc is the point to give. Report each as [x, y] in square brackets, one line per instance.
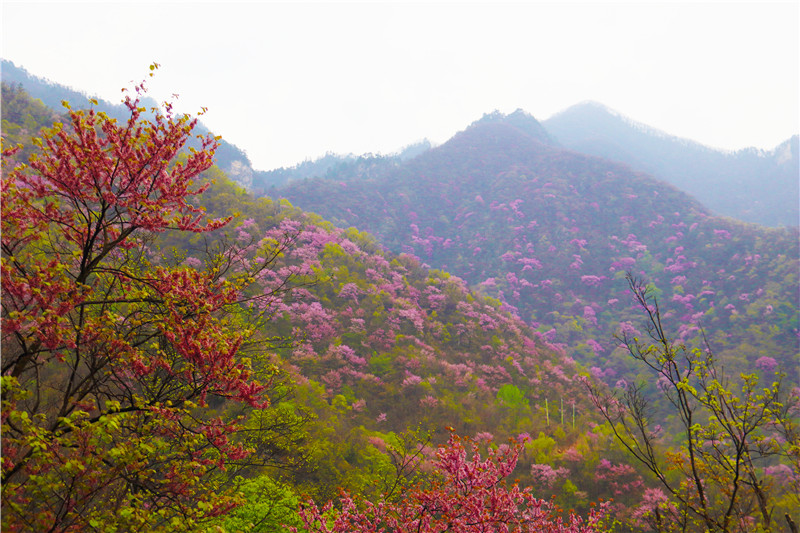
[228, 156]
[750, 185]
[551, 232]
[384, 348]
[336, 167]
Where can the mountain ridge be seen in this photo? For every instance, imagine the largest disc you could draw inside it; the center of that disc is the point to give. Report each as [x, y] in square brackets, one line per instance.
[730, 183]
[753, 185]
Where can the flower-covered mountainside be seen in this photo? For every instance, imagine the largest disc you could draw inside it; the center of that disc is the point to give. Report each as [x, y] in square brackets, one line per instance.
[551, 233]
[386, 345]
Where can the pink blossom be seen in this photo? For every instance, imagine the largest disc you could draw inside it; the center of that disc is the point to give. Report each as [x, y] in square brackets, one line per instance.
[596, 347]
[655, 510]
[193, 262]
[589, 315]
[350, 291]
[411, 380]
[429, 401]
[592, 281]
[484, 437]
[767, 364]
[545, 476]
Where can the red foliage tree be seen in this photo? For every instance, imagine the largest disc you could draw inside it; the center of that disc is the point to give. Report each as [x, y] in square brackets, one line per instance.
[108, 355]
[470, 496]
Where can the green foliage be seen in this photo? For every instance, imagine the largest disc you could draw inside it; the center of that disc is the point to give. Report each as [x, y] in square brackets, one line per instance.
[23, 117]
[127, 377]
[542, 448]
[511, 396]
[374, 344]
[728, 432]
[270, 506]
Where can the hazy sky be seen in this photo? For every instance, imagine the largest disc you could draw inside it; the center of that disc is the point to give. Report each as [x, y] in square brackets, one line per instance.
[290, 81]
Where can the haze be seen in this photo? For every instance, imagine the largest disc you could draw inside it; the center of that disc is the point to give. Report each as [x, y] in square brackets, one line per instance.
[290, 81]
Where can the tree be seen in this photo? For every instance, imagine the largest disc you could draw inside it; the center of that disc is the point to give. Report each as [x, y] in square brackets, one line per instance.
[471, 495]
[109, 355]
[728, 433]
[270, 507]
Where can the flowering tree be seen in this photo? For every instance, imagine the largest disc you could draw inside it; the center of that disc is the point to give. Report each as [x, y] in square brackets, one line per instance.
[471, 495]
[109, 356]
[729, 434]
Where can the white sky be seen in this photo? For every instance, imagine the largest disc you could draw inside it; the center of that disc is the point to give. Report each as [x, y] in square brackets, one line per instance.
[290, 81]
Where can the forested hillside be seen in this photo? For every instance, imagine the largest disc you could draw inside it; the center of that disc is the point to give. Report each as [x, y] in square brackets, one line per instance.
[179, 355]
[392, 346]
[336, 167]
[551, 233]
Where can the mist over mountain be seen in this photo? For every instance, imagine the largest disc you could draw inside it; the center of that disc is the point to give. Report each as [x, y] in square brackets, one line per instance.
[229, 157]
[338, 167]
[751, 185]
[550, 232]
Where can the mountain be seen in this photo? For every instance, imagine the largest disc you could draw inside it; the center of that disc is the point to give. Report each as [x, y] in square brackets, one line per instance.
[371, 351]
[551, 232]
[228, 156]
[337, 167]
[751, 185]
[23, 117]
[330, 166]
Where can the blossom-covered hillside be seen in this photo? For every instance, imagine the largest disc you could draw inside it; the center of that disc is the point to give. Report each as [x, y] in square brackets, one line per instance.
[550, 233]
[369, 361]
[383, 345]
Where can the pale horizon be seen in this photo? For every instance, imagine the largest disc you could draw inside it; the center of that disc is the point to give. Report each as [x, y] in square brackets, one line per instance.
[289, 82]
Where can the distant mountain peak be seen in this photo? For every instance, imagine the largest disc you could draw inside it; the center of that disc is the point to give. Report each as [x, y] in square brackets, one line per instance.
[520, 120]
[786, 152]
[750, 184]
[589, 104]
[592, 112]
